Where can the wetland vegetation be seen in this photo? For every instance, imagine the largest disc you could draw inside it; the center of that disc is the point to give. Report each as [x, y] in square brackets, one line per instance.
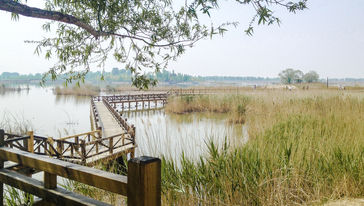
[304, 147]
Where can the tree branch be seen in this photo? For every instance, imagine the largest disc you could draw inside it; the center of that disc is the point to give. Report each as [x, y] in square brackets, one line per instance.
[15, 7]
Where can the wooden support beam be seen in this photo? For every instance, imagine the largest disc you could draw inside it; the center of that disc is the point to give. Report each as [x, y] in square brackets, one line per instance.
[93, 177]
[144, 181]
[57, 196]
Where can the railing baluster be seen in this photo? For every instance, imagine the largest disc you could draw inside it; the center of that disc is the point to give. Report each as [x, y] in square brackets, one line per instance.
[83, 151]
[111, 145]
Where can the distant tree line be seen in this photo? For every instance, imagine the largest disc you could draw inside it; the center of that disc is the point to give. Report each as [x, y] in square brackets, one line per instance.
[290, 76]
[124, 75]
[17, 76]
[287, 76]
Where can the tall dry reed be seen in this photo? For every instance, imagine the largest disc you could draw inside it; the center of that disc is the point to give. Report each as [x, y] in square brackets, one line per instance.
[304, 148]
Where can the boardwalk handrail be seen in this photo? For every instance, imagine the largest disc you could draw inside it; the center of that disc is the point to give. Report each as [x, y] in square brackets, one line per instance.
[81, 150]
[85, 134]
[142, 185]
[97, 121]
[132, 97]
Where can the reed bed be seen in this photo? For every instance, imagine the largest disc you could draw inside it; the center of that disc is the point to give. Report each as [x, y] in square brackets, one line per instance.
[84, 90]
[234, 104]
[304, 148]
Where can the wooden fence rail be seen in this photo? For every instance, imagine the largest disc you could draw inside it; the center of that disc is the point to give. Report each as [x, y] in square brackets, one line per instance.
[145, 99]
[82, 148]
[142, 185]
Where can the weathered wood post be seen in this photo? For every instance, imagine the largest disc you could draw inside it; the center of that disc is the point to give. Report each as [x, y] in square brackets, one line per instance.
[77, 142]
[111, 145]
[60, 148]
[50, 182]
[2, 144]
[144, 181]
[31, 142]
[83, 151]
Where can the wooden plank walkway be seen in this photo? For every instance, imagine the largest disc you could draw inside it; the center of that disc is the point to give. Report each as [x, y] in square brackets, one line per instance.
[110, 126]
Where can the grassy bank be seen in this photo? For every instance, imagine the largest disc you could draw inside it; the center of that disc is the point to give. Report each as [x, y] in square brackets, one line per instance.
[305, 148]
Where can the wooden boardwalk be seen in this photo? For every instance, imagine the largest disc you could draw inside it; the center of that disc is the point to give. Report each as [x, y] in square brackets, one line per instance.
[110, 125]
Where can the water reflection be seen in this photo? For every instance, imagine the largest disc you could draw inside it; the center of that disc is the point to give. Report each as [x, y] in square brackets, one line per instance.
[159, 133]
[49, 115]
[61, 99]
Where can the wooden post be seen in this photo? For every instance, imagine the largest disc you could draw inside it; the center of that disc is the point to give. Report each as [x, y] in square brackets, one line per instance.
[144, 181]
[2, 144]
[111, 145]
[50, 182]
[59, 148]
[83, 151]
[31, 142]
[72, 147]
[97, 146]
[77, 143]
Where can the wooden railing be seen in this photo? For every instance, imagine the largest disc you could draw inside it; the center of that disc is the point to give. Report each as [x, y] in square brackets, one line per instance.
[142, 185]
[132, 97]
[81, 148]
[95, 114]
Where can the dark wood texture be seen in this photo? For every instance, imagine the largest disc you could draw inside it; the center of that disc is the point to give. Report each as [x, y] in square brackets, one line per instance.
[58, 196]
[97, 178]
[144, 181]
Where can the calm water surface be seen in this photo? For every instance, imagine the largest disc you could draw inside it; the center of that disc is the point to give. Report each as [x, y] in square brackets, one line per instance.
[157, 133]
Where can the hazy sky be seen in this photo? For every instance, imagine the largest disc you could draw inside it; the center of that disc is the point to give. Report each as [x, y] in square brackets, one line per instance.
[327, 38]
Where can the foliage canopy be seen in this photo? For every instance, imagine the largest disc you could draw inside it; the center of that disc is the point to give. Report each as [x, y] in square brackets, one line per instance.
[289, 76]
[140, 34]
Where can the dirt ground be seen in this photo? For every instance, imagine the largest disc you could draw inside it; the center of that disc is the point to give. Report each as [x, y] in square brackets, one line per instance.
[349, 202]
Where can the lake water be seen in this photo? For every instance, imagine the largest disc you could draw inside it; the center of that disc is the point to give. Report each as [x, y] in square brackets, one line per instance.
[157, 133]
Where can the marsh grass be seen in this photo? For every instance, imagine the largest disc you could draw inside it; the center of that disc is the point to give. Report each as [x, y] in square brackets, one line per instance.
[84, 90]
[304, 148]
[14, 197]
[233, 104]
